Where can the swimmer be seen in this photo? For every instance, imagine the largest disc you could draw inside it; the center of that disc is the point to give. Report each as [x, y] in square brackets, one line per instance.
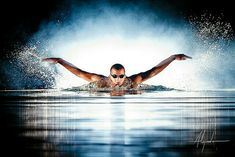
[117, 76]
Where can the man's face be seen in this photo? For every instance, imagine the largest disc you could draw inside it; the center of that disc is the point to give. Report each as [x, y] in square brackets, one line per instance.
[117, 76]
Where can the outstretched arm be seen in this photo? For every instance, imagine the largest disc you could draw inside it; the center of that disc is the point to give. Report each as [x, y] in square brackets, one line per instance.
[91, 77]
[143, 76]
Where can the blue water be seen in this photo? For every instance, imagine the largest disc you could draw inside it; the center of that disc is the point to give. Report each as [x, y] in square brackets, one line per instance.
[87, 124]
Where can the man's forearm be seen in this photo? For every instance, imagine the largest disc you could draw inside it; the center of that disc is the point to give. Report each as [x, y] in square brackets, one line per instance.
[79, 72]
[163, 64]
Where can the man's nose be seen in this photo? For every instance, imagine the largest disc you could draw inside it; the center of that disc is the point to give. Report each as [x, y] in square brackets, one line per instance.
[117, 79]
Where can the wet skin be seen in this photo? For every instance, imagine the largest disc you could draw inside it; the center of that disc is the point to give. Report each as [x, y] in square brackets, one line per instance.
[120, 77]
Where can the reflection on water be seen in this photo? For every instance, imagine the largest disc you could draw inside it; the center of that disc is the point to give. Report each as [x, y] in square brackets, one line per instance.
[169, 123]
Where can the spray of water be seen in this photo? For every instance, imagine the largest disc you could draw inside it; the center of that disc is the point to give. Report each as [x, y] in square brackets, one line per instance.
[94, 38]
[214, 47]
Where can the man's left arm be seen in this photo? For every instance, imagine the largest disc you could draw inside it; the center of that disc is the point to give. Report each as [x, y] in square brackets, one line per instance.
[143, 76]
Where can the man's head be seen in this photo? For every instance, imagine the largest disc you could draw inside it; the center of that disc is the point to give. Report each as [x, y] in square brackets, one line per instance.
[117, 74]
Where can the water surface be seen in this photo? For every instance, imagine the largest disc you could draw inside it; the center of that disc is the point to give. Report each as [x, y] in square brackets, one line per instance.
[78, 123]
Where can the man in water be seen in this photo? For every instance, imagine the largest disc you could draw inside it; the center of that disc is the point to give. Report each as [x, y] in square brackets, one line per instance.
[117, 77]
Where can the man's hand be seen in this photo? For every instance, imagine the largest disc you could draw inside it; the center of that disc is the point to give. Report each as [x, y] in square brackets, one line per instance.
[181, 57]
[51, 60]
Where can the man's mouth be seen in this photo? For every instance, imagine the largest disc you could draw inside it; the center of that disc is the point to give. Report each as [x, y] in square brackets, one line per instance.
[117, 84]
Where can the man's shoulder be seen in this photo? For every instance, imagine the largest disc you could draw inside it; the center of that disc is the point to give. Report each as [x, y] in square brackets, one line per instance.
[103, 82]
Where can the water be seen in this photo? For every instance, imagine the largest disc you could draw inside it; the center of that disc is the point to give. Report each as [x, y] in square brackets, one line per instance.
[86, 124]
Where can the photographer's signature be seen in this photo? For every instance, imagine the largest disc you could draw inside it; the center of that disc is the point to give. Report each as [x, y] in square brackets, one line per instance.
[203, 139]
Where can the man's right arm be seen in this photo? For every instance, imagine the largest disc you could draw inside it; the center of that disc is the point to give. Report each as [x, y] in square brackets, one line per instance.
[90, 77]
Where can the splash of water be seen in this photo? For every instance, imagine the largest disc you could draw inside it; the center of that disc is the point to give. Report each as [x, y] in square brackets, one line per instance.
[214, 38]
[141, 87]
[27, 71]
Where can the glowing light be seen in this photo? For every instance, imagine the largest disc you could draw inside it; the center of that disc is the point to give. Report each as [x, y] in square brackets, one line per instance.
[137, 55]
